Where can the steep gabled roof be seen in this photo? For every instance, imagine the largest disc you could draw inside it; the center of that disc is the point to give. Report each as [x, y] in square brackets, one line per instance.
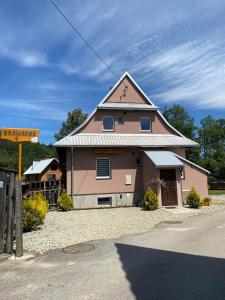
[39, 166]
[111, 91]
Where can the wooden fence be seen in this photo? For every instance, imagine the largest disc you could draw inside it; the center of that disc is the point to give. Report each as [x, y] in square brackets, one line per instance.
[11, 227]
[218, 185]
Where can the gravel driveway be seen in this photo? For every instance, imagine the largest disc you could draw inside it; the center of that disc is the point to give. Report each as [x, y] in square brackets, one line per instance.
[61, 229]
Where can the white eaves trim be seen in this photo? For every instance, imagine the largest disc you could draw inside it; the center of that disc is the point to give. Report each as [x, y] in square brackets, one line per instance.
[110, 92]
[126, 106]
[191, 163]
[125, 140]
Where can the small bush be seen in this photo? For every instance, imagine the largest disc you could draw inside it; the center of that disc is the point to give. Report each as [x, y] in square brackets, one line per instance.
[34, 212]
[193, 199]
[150, 201]
[65, 202]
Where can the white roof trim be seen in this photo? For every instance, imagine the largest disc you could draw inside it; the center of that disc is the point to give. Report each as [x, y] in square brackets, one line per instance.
[110, 92]
[191, 163]
[124, 140]
[126, 106]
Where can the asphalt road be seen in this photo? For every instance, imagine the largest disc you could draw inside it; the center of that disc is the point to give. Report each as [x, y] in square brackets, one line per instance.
[172, 261]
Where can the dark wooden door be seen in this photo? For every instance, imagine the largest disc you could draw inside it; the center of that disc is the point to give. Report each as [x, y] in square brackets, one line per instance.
[169, 191]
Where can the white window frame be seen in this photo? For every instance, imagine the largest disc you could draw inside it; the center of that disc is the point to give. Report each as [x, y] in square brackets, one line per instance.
[103, 123]
[121, 116]
[150, 122]
[104, 177]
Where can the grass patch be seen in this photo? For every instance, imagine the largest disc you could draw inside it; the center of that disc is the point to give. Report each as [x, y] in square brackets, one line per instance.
[216, 192]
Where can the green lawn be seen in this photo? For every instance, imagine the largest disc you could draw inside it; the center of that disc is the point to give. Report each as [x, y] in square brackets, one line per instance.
[216, 192]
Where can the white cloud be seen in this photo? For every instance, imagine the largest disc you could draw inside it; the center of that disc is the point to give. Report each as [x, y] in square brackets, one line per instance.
[37, 109]
[24, 58]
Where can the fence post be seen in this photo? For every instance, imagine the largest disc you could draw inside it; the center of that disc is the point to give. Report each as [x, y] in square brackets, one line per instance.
[10, 213]
[2, 210]
[19, 220]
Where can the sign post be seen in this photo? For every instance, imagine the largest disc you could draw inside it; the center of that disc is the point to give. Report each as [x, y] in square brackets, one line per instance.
[20, 135]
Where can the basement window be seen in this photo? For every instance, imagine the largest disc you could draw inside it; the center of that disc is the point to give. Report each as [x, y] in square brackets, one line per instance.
[103, 170]
[105, 201]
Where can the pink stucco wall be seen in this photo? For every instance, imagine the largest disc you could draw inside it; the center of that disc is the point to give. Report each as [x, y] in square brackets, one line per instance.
[179, 150]
[195, 177]
[131, 125]
[128, 95]
[148, 173]
[85, 182]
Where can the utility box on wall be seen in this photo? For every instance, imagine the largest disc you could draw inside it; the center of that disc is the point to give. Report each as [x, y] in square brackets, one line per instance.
[127, 179]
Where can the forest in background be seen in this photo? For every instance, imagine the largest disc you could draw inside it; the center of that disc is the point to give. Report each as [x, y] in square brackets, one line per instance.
[210, 135]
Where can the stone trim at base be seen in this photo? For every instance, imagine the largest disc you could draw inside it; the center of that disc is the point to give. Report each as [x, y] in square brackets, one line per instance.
[116, 200]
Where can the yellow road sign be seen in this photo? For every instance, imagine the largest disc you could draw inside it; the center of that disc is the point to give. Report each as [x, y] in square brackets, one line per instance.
[20, 135]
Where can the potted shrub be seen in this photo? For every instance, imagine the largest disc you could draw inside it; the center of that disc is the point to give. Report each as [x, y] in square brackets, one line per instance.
[207, 201]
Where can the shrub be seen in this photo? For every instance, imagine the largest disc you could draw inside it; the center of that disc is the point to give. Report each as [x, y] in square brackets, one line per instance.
[65, 202]
[150, 201]
[34, 211]
[193, 199]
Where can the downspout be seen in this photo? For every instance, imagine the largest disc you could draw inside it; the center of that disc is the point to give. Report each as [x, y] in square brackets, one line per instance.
[72, 182]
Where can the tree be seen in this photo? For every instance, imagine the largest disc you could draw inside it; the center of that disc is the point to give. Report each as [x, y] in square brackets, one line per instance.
[31, 152]
[179, 118]
[212, 142]
[74, 119]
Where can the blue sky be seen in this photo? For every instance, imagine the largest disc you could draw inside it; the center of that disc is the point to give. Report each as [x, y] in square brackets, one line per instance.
[174, 49]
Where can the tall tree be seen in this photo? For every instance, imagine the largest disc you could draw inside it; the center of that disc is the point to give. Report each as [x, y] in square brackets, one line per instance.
[212, 141]
[74, 119]
[179, 118]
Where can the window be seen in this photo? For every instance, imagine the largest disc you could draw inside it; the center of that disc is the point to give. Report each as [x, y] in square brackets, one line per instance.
[120, 120]
[51, 177]
[145, 124]
[103, 168]
[107, 123]
[105, 201]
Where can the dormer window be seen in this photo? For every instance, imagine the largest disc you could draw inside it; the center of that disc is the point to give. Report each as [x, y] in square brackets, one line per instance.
[145, 124]
[107, 123]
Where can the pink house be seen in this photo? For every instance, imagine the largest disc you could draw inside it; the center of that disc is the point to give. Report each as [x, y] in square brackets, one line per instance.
[125, 146]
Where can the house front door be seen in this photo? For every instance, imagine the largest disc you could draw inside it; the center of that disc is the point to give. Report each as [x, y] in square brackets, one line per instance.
[169, 191]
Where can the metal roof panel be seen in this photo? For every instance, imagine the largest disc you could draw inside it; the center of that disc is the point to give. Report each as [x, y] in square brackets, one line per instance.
[123, 140]
[164, 159]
